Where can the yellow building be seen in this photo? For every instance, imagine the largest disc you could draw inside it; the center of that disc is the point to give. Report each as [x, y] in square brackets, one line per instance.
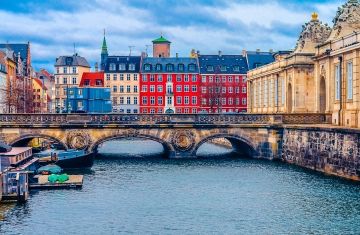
[68, 73]
[40, 96]
[287, 85]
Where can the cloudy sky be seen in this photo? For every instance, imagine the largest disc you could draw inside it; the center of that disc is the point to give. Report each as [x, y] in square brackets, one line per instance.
[53, 26]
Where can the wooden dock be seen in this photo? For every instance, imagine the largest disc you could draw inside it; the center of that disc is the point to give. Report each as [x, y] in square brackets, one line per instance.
[75, 181]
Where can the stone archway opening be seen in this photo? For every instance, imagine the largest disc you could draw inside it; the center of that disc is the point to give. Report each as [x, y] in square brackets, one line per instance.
[131, 147]
[322, 102]
[225, 146]
[39, 142]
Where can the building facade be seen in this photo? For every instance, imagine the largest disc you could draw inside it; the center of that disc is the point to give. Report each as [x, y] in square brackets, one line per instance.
[48, 81]
[68, 73]
[161, 48]
[89, 100]
[40, 96]
[223, 83]
[122, 77]
[288, 85]
[3, 75]
[169, 85]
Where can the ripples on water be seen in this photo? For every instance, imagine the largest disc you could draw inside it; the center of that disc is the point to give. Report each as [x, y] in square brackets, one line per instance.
[151, 195]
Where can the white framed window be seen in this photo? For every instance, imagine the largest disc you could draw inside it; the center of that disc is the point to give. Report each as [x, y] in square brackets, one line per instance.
[121, 100]
[194, 88]
[203, 90]
[178, 100]
[128, 100]
[121, 89]
[186, 88]
[194, 100]
[128, 77]
[160, 88]
[152, 88]
[128, 88]
[121, 77]
[186, 100]
[152, 100]
[178, 88]
[144, 100]
[160, 100]
[144, 88]
[135, 100]
[114, 76]
[203, 79]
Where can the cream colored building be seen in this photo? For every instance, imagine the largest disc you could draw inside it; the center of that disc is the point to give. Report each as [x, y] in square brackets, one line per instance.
[68, 73]
[122, 76]
[288, 84]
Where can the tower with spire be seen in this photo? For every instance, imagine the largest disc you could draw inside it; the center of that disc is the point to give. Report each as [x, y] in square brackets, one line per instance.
[104, 53]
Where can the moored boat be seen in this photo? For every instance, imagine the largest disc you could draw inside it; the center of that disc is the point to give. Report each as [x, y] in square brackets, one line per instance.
[66, 158]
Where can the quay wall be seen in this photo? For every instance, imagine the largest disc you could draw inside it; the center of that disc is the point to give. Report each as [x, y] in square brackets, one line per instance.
[333, 151]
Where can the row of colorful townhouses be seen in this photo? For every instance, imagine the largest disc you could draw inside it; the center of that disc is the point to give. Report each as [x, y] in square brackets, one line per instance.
[158, 84]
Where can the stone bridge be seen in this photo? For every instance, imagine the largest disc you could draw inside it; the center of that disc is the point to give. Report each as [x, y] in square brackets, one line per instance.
[180, 135]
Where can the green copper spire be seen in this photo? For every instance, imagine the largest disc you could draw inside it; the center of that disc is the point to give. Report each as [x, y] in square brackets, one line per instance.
[104, 50]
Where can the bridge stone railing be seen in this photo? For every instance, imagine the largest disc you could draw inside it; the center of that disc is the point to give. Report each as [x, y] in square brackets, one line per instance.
[151, 119]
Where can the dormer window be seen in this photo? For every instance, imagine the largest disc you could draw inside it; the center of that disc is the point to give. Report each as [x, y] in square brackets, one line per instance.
[122, 67]
[112, 67]
[169, 67]
[181, 67]
[132, 67]
[223, 68]
[147, 67]
[191, 67]
[158, 67]
[210, 68]
[236, 68]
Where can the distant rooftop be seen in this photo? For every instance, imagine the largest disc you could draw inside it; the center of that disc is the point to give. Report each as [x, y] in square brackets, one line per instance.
[74, 60]
[161, 40]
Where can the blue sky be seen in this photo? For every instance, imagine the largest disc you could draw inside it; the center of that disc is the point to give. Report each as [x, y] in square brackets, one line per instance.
[53, 26]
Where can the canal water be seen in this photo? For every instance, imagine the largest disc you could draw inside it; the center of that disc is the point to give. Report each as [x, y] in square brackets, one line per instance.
[132, 192]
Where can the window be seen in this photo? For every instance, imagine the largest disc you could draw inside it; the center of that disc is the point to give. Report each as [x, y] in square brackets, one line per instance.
[73, 69]
[160, 100]
[128, 100]
[121, 89]
[128, 77]
[192, 67]
[144, 88]
[203, 90]
[144, 100]
[169, 78]
[178, 88]
[243, 90]
[135, 89]
[147, 67]
[203, 78]
[87, 83]
[178, 110]
[122, 67]
[169, 89]
[135, 77]
[57, 80]
[65, 70]
[178, 78]
[132, 67]
[121, 100]
[152, 78]
[186, 100]
[337, 82]
[203, 101]
[217, 79]
[160, 110]
[57, 70]
[144, 78]
[64, 80]
[223, 68]
[350, 80]
[181, 67]
[243, 101]
[115, 101]
[186, 110]
[98, 82]
[160, 79]
[244, 79]
[152, 88]
[210, 68]
[230, 101]
[236, 68]
[237, 79]
[152, 111]
[194, 110]
[223, 101]
[169, 100]
[80, 92]
[135, 100]
[128, 88]
[194, 78]
[169, 67]
[224, 79]
[128, 111]
[194, 100]
[121, 77]
[211, 79]
[112, 67]
[237, 90]
[158, 67]
[160, 88]
[178, 100]
[237, 101]
[186, 88]
[230, 79]
[194, 88]
[114, 76]
[230, 89]
[186, 78]
[223, 90]
[74, 81]
[136, 111]
[114, 88]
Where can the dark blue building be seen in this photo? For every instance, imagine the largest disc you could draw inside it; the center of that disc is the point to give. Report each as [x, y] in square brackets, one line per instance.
[89, 100]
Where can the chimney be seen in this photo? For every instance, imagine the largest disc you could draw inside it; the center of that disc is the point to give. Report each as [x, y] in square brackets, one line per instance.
[96, 67]
[243, 52]
[220, 53]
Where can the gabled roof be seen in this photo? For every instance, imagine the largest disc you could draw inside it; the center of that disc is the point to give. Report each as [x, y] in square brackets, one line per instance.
[92, 77]
[39, 82]
[123, 60]
[234, 64]
[21, 48]
[161, 40]
[74, 60]
[256, 59]
[175, 61]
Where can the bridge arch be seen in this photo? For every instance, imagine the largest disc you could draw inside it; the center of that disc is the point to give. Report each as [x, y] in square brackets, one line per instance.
[239, 144]
[168, 148]
[28, 137]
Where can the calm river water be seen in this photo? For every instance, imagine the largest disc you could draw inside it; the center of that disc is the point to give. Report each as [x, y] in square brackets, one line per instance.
[133, 194]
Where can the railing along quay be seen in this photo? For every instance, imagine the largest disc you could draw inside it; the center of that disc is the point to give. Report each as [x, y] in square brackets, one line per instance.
[151, 119]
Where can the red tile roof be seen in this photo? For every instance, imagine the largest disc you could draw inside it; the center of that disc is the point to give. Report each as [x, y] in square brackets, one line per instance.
[90, 78]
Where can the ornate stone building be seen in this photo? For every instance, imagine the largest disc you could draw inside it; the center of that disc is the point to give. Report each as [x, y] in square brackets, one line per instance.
[287, 85]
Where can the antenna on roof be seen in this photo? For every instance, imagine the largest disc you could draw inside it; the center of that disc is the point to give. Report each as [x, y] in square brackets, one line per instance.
[130, 48]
